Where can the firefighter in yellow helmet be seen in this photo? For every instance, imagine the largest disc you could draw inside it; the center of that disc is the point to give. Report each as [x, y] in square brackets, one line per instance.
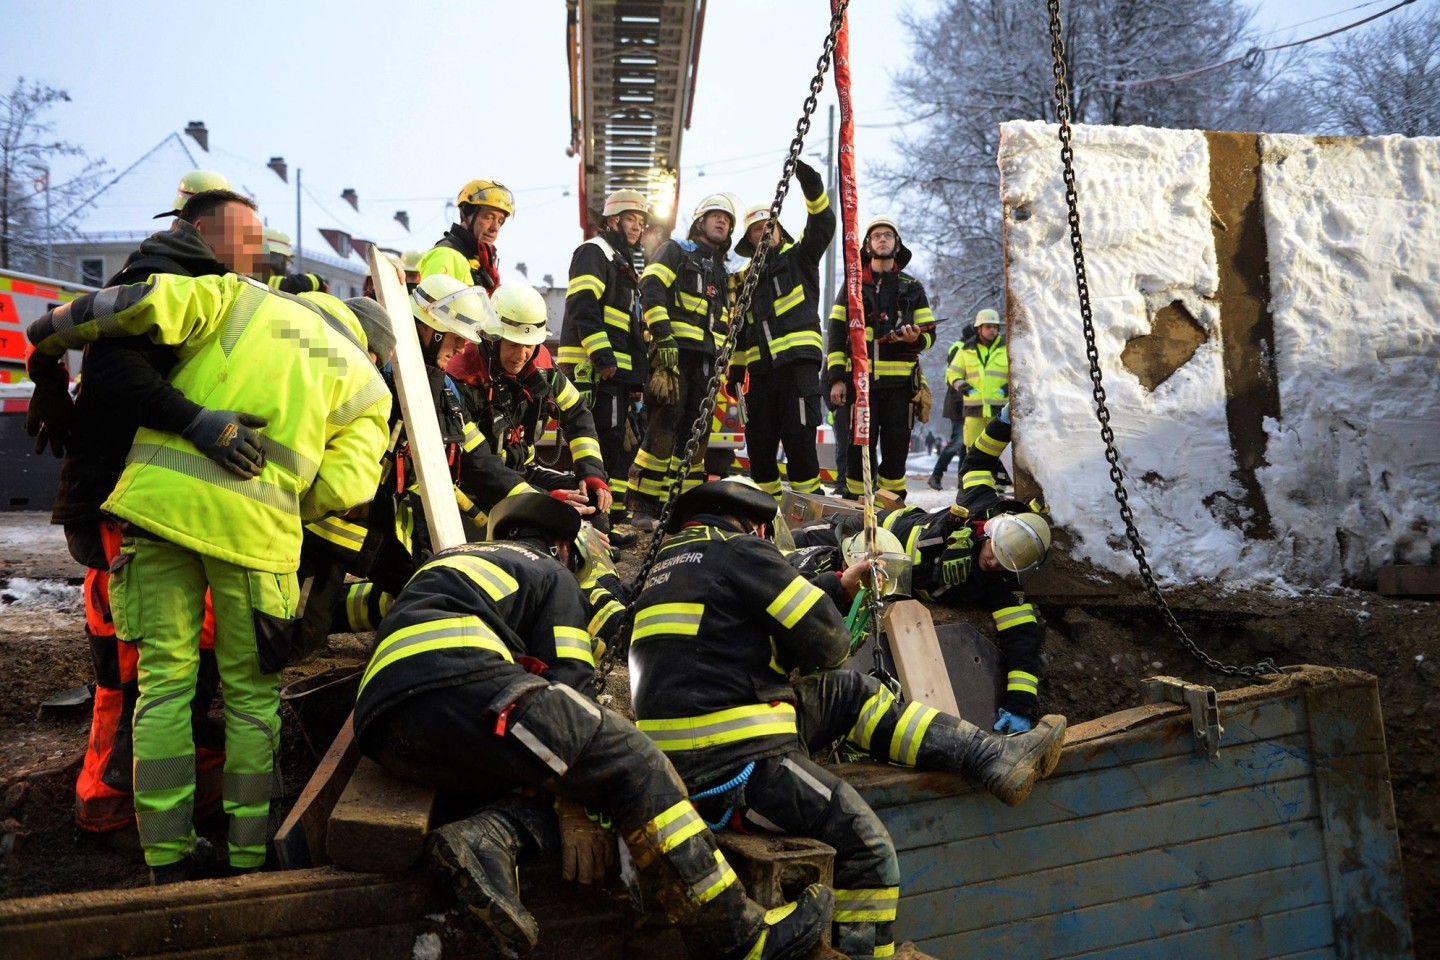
[220, 506]
[602, 345]
[717, 636]
[191, 183]
[684, 293]
[467, 251]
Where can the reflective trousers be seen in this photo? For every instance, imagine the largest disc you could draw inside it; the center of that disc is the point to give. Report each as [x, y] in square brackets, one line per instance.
[784, 408]
[667, 434]
[890, 412]
[157, 595]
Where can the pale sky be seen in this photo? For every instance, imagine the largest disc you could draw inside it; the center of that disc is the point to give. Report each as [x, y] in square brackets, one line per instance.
[406, 102]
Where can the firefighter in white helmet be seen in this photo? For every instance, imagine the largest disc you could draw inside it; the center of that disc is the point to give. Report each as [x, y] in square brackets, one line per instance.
[467, 251]
[602, 339]
[684, 292]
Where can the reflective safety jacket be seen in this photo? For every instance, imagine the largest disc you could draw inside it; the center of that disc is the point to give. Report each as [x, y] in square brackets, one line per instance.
[892, 300]
[458, 254]
[511, 412]
[721, 622]
[602, 312]
[985, 377]
[684, 292]
[243, 347]
[783, 324]
[472, 612]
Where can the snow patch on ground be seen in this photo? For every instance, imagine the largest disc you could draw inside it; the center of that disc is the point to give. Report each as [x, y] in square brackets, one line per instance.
[25, 594]
[1353, 474]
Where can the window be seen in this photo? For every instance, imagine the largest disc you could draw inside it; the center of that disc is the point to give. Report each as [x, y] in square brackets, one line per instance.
[92, 271]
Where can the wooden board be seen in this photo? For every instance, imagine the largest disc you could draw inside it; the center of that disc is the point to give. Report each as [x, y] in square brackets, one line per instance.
[300, 841]
[379, 822]
[422, 429]
[918, 660]
[1408, 581]
[972, 664]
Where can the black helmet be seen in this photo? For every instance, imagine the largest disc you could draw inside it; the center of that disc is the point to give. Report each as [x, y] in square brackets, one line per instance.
[522, 512]
[731, 496]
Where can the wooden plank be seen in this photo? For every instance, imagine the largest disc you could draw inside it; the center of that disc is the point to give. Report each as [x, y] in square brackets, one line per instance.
[300, 841]
[210, 913]
[1352, 778]
[379, 823]
[1093, 878]
[1302, 934]
[1226, 903]
[1408, 581]
[918, 659]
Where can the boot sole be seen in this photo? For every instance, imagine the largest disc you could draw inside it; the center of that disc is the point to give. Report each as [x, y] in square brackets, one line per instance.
[1018, 790]
[517, 931]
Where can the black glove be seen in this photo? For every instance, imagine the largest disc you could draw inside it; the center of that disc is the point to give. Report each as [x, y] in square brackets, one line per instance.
[810, 181]
[735, 381]
[229, 438]
[51, 410]
[1004, 389]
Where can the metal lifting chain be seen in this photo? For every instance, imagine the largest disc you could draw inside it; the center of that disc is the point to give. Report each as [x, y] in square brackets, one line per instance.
[701, 426]
[1102, 411]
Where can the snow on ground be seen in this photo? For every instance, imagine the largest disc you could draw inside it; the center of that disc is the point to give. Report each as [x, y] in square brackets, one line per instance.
[26, 594]
[1353, 475]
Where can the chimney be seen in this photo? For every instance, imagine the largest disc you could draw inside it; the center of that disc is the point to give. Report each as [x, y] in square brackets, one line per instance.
[403, 218]
[278, 165]
[522, 270]
[351, 197]
[196, 129]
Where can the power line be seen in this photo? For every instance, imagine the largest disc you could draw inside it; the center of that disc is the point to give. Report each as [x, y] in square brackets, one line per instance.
[1251, 58]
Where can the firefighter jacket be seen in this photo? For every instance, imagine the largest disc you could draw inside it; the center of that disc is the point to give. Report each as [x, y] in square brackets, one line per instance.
[474, 612]
[1018, 630]
[241, 347]
[892, 300]
[782, 326]
[985, 377]
[458, 254]
[123, 385]
[602, 311]
[721, 622]
[511, 412]
[685, 294]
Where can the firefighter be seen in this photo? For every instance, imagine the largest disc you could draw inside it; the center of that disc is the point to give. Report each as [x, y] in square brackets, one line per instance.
[780, 345]
[684, 293]
[310, 445]
[123, 387]
[510, 386]
[978, 375]
[899, 326]
[448, 314]
[482, 680]
[467, 251]
[602, 346]
[279, 256]
[719, 626]
[972, 555]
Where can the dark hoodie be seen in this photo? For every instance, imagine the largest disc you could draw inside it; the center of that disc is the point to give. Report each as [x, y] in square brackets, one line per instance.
[123, 385]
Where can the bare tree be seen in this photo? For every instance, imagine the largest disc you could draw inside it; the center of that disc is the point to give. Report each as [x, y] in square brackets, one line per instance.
[1385, 79]
[28, 154]
[978, 63]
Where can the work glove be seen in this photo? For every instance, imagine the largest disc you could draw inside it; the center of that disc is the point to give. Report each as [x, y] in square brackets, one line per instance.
[958, 558]
[585, 382]
[229, 438]
[667, 354]
[735, 382]
[810, 181]
[968, 391]
[51, 410]
[1012, 723]
[1004, 389]
[586, 848]
[663, 387]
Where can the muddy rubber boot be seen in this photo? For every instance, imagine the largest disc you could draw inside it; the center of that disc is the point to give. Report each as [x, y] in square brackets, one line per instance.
[198, 863]
[478, 854]
[1008, 767]
[786, 933]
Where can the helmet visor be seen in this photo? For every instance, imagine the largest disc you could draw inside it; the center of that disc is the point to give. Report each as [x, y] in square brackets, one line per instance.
[465, 312]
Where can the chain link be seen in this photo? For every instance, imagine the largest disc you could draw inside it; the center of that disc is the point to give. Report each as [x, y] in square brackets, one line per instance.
[701, 427]
[1092, 353]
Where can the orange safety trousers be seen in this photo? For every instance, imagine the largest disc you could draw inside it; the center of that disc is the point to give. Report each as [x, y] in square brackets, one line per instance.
[103, 791]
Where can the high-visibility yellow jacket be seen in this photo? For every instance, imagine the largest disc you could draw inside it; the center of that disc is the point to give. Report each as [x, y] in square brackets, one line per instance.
[241, 347]
[986, 377]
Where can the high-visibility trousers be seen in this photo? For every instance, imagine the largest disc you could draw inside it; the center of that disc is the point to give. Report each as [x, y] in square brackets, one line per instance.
[157, 595]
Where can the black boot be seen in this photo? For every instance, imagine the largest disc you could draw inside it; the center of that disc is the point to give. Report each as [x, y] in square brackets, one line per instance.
[791, 930]
[785, 933]
[198, 863]
[1008, 767]
[478, 854]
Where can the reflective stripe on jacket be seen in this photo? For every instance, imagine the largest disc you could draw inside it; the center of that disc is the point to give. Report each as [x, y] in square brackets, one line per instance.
[685, 294]
[602, 322]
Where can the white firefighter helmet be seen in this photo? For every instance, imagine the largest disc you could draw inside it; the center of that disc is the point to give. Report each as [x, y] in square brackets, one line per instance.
[989, 316]
[891, 566]
[716, 201]
[623, 200]
[1020, 540]
[884, 220]
[448, 305]
[520, 314]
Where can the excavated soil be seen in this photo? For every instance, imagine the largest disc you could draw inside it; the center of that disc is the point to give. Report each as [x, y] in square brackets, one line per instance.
[1097, 651]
